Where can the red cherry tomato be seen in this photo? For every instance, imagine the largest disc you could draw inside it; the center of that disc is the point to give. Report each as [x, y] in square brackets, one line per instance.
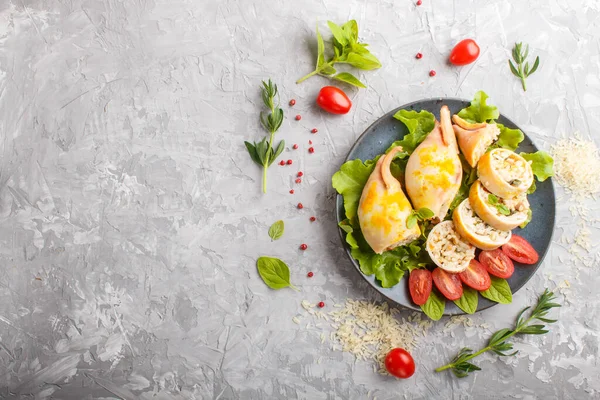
[419, 285]
[400, 363]
[333, 100]
[497, 263]
[476, 276]
[447, 283]
[465, 52]
[520, 250]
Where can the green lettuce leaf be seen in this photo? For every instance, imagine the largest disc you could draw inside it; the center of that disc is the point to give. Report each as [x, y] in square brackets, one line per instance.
[542, 164]
[419, 125]
[468, 178]
[479, 111]
[508, 138]
[528, 220]
[350, 180]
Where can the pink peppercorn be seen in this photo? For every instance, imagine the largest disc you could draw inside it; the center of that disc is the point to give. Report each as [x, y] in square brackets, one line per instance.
[289, 162]
[313, 219]
[298, 180]
[321, 304]
[314, 130]
[419, 56]
[310, 274]
[298, 117]
[292, 191]
[432, 73]
[295, 147]
[292, 102]
[300, 206]
[311, 150]
[303, 246]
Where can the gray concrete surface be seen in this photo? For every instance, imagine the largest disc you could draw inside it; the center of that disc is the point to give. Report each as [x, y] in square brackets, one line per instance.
[131, 216]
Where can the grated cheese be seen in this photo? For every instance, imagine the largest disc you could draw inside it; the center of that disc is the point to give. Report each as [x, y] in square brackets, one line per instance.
[369, 330]
[577, 166]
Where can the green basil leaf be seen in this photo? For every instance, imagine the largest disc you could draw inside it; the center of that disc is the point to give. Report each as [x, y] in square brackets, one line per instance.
[274, 272]
[366, 61]
[320, 49]
[425, 213]
[468, 301]
[252, 151]
[434, 307]
[508, 138]
[499, 291]
[338, 33]
[479, 111]
[493, 199]
[542, 164]
[349, 78]
[528, 220]
[351, 30]
[411, 221]
[328, 70]
[350, 180]
[276, 230]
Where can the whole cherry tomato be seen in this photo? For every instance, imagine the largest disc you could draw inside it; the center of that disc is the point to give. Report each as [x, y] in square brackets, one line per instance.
[465, 52]
[333, 100]
[400, 363]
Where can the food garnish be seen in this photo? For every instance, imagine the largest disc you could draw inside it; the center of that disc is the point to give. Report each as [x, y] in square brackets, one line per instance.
[465, 52]
[274, 272]
[263, 153]
[499, 344]
[520, 250]
[347, 50]
[333, 100]
[400, 363]
[276, 230]
[522, 71]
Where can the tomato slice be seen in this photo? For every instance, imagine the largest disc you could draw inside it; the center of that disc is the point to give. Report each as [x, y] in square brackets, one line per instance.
[476, 276]
[447, 283]
[419, 285]
[520, 250]
[333, 100]
[465, 52]
[497, 263]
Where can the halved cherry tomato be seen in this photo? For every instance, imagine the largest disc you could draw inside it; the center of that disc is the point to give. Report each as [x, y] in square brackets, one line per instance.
[497, 263]
[520, 250]
[333, 100]
[419, 285]
[476, 276]
[400, 363]
[465, 52]
[447, 283]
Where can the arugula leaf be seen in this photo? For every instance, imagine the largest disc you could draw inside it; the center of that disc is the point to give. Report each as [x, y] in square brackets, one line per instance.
[419, 125]
[542, 164]
[468, 301]
[499, 291]
[350, 180]
[479, 111]
[434, 307]
[274, 272]
[508, 138]
[349, 79]
[276, 230]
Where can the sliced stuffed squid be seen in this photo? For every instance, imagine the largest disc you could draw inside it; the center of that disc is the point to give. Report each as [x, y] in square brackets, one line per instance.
[475, 230]
[504, 173]
[384, 209]
[447, 249]
[474, 139]
[501, 213]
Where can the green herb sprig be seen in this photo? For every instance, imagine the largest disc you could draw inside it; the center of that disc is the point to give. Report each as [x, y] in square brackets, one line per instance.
[262, 153]
[422, 214]
[347, 50]
[498, 343]
[522, 71]
[493, 200]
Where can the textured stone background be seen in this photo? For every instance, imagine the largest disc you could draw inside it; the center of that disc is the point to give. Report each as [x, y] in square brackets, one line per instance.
[131, 217]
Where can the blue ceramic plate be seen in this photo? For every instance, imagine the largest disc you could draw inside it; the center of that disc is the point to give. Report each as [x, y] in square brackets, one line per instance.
[377, 138]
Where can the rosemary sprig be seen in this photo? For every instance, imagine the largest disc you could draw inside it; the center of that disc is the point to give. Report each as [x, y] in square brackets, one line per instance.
[498, 343]
[262, 153]
[522, 71]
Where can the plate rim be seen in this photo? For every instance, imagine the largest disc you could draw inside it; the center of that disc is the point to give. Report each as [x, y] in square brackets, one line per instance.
[340, 202]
